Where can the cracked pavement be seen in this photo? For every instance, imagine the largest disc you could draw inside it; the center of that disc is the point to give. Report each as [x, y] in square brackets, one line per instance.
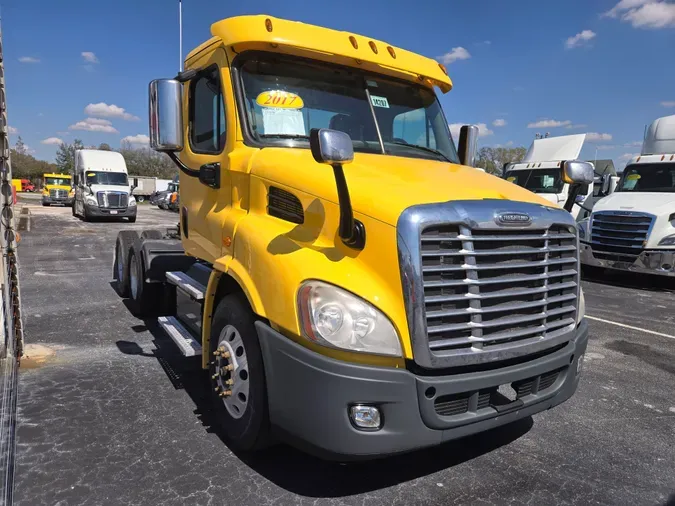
[117, 416]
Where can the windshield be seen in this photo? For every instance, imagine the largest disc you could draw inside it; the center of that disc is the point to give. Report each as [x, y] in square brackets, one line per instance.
[537, 180]
[60, 181]
[648, 177]
[107, 178]
[285, 98]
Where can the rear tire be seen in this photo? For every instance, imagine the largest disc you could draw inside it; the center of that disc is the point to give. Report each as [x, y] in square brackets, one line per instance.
[140, 198]
[145, 298]
[152, 234]
[243, 414]
[125, 241]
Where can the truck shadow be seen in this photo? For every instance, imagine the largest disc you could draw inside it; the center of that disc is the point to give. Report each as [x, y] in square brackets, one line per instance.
[625, 279]
[300, 473]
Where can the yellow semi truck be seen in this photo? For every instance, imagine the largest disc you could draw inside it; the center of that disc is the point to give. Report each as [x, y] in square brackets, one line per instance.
[352, 285]
[57, 189]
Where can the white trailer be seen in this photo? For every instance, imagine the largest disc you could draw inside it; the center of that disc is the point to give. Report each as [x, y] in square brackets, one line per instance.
[634, 228]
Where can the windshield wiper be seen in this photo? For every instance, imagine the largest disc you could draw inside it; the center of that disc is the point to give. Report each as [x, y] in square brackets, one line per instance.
[423, 148]
[285, 136]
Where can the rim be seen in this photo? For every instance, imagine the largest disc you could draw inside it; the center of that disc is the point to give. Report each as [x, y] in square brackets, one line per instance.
[120, 267]
[133, 266]
[233, 385]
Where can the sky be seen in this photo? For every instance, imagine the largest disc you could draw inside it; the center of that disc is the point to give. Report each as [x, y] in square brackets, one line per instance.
[80, 68]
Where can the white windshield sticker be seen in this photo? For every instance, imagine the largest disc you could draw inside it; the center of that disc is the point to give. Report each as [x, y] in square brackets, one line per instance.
[283, 121]
[379, 101]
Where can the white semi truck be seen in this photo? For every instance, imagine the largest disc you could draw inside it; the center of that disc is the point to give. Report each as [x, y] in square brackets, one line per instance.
[102, 186]
[540, 172]
[634, 228]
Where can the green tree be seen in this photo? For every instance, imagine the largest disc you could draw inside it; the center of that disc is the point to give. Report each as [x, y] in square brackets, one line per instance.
[104, 147]
[146, 162]
[25, 166]
[65, 156]
[493, 159]
[20, 147]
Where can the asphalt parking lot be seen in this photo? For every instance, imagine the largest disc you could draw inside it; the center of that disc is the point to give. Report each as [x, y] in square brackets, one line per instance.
[116, 416]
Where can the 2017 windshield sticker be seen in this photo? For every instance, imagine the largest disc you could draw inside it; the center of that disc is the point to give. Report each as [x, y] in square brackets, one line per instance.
[379, 101]
[511, 179]
[633, 177]
[280, 99]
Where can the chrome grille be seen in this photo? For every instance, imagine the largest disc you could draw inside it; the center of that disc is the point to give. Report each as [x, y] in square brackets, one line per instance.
[58, 194]
[490, 288]
[478, 290]
[112, 200]
[619, 236]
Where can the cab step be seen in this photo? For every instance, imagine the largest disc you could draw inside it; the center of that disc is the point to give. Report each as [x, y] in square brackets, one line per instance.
[189, 285]
[187, 344]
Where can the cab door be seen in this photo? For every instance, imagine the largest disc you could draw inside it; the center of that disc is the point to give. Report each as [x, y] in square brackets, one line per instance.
[206, 200]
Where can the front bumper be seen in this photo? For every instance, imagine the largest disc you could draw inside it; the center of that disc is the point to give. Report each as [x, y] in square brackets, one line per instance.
[99, 212]
[661, 262]
[68, 201]
[309, 396]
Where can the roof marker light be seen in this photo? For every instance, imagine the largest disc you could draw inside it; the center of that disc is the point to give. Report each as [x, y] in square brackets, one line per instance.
[638, 158]
[373, 46]
[662, 157]
[352, 39]
[391, 52]
[445, 71]
[268, 24]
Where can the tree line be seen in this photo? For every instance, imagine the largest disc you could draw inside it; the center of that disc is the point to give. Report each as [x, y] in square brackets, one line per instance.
[493, 159]
[140, 161]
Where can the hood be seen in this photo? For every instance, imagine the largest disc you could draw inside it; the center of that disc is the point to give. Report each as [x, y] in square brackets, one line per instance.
[565, 147]
[383, 186]
[57, 187]
[646, 202]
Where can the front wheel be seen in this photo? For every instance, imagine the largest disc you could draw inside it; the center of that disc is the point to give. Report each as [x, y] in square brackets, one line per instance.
[132, 219]
[72, 209]
[237, 375]
[140, 198]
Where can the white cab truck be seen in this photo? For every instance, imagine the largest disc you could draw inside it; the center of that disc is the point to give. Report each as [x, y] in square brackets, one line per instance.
[102, 186]
[634, 228]
[540, 171]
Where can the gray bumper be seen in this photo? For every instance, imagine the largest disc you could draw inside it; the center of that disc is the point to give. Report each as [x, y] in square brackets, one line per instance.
[68, 201]
[97, 212]
[309, 396]
[661, 262]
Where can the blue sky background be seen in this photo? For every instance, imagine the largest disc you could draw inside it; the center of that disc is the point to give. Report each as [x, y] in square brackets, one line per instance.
[518, 62]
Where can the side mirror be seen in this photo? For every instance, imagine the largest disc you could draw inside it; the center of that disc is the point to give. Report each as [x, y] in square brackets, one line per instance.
[577, 172]
[331, 146]
[605, 183]
[335, 148]
[166, 115]
[468, 145]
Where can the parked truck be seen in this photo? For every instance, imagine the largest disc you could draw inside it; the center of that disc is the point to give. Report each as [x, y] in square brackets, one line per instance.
[145, 186]
[102, 186]
[634, 228]
[540, 172]
[349, 281]
[57, 189]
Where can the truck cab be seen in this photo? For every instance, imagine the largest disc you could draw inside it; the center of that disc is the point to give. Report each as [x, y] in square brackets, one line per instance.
[57, 189]
[350, 282]
[540, 173]
[634, 228]
[102, 187]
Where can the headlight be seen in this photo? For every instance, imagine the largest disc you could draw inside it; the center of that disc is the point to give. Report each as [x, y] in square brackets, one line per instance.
[583, 228]
[668, 240]
[132, 201]
[90, 200]
[582, 306]
[45, 192]
[334, 317]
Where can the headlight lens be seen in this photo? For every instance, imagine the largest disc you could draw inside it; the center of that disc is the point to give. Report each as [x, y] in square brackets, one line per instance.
[668, 240]
[132, 201]
[582, 306]
[334, 317]
[90, 200]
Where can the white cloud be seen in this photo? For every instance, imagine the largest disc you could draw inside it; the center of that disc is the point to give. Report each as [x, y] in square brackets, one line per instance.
[510, 143]
[52, 141]
[549, 123]
[29, 59]
[606, 146]
[668, 103]
[644, 13]
[499, 122]
[596, 137]
[457, 53]
[627, 156]
[94, 125]
[137, 139]
[576, 126]
[634, 144]
[103, 110]
[12, 130]
[579, 39]
[89, 57]
[483, 130]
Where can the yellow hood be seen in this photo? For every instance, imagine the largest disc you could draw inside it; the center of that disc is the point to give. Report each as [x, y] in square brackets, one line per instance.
[383, 186]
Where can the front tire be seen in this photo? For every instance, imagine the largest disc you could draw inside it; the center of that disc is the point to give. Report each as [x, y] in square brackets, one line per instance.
[132, 219]
[239, 395]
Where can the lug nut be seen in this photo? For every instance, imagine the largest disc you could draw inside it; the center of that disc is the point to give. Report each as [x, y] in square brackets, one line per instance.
[229, 382]
[215, 376]
[226, 393]
[229, 367]
[217, 389]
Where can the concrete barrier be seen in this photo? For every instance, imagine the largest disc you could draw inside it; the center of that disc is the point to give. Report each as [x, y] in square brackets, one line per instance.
[25, 219]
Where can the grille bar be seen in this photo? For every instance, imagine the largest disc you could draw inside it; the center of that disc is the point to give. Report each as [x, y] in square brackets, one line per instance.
[485, 267]
[619, 236]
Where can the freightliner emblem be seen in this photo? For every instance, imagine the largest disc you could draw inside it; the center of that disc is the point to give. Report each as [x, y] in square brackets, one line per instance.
[513, 219]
